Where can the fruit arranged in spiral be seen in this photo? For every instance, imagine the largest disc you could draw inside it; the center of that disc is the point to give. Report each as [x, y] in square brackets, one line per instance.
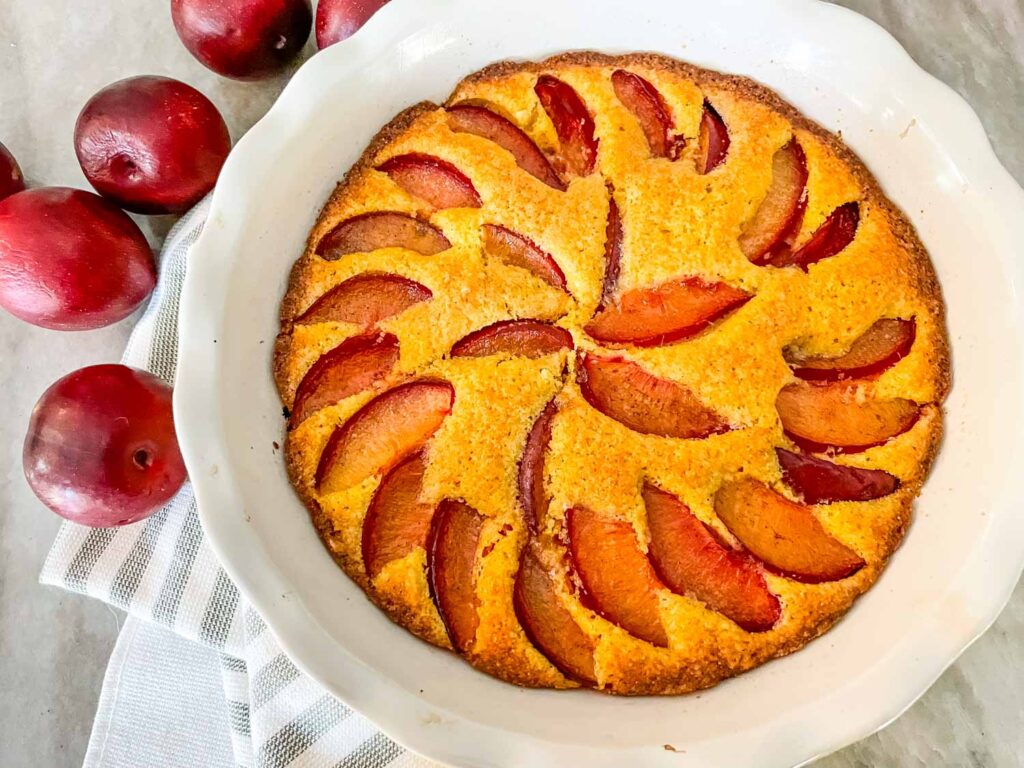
[730, 518]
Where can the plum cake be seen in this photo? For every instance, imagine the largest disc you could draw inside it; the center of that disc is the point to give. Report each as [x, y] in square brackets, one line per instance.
[611, 372]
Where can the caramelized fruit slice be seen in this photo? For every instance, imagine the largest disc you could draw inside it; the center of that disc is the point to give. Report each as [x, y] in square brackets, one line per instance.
[451, 569]
[396, 521]
[612, 250]
[677, 309]
[354, 365]
[832, 418]
[822, 482]
[645, 403]
[382, 433]
[514, 338]
[548, 624]
[573, 124]
[432, 179]
[515, 250]
[880, 347]
[774, 218]
[713, 143]
[690, 560]
[617, 580]
[366, 300]
[783, 534]
[480, 121]
[386, 229]
[785, 242]
[533, 499]
[648, 107]
[829, 239]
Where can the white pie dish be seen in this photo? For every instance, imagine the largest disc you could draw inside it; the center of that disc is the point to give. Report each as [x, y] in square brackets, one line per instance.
[948, 582]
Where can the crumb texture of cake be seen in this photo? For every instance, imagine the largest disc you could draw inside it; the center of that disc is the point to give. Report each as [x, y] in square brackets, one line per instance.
[611, 372]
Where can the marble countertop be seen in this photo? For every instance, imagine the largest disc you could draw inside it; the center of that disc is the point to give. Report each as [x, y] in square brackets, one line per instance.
[54, 54]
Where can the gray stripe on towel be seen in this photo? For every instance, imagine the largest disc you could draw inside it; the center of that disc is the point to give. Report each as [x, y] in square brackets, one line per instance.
[133, 568]
[302, 732]
[166, 608]
[275, 675]
[376, 752]
[238, 715]
[93, 546]
[220, 612]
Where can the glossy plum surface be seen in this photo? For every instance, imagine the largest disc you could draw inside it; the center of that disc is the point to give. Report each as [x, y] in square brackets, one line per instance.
[514, 338]
[243, 39]
[151, 144]
[625, 391]
[101, 449]
[338, 20]
[70, 260]
[381, 229]
[665, 313]
[432, 179]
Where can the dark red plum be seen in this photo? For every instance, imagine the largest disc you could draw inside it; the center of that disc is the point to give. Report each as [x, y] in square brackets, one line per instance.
[101, 449]
[151, 144]
[70, 260]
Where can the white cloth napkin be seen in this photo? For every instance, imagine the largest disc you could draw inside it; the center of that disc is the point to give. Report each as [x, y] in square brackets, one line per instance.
[162, 570]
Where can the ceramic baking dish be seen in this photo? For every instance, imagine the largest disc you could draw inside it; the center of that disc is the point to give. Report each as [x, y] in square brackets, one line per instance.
[946, 584]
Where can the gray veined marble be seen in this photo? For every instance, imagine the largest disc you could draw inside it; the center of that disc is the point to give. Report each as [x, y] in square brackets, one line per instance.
[53, 647]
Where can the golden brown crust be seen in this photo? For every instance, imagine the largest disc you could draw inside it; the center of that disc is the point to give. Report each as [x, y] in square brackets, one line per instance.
[290, 308]
[639, 673]
[398, 125]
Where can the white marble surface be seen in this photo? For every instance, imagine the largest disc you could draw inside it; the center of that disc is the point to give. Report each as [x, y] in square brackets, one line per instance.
[53, 647]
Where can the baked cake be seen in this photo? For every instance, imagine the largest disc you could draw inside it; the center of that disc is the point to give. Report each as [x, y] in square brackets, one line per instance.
[611, 372]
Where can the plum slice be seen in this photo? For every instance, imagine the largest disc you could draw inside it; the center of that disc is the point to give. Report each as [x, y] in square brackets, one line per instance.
[548, 624]
[573, 124]
[713, 141]
[834, 419]
[382, 433]
[613, 236]
[648, 106]
[617, 581]
[624, 391]
[674, 310]
[784, 535]
[515, 338]
[880, 347]
[382, 229]
[777, 215]
[451, 569]
[828, 240]
[366, 300]
[533, 500]
[396, 521]
[481, 121]
[355, 365]
[432, 179]
[517, 250]
[822, 482]
[691, 560]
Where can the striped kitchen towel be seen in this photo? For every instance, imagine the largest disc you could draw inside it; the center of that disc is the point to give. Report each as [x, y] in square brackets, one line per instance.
[163, 570]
